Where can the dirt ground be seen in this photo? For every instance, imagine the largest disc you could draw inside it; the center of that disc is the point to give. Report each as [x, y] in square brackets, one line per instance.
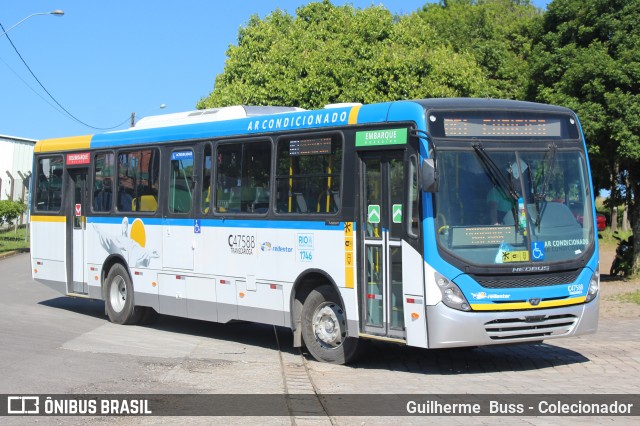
[611, 287]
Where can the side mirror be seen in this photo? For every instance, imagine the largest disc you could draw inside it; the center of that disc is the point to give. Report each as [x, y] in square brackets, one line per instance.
[429, 175]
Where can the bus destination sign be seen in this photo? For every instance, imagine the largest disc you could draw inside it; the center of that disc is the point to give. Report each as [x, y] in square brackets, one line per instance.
[78, 158]
[317, 146]
[488, 127]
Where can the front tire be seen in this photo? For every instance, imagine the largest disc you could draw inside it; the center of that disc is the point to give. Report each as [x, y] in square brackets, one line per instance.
[324, 328]
[615, 268]
[119, 297]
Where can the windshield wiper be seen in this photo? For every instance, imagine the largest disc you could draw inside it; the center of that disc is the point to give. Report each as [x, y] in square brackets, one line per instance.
[494, 173]
[498, 179]
[547, 170]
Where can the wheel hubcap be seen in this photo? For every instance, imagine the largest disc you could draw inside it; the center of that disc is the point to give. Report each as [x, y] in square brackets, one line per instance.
[118, 294]
[327, 325]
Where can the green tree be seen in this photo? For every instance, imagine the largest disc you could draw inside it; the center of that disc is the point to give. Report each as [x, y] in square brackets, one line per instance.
[328, 54]
[587, 57]
[10, 211]
[495, 32]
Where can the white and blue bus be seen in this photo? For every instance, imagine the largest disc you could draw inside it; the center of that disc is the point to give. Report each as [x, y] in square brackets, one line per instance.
[431, 223]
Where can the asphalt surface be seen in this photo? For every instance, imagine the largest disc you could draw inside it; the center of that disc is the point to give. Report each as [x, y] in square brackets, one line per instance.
[58, 345]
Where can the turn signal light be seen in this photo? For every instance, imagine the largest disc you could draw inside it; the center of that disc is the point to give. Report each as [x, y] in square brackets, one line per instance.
[415, 315]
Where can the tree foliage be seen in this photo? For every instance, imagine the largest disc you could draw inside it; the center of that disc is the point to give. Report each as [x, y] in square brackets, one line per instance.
[328, 54]
[495, 32]
[10, 211]
[582, 54]
[586, 56]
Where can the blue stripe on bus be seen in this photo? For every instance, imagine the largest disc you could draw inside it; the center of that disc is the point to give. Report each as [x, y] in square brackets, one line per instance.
[376, 113]
[226, 223]
[118, 219]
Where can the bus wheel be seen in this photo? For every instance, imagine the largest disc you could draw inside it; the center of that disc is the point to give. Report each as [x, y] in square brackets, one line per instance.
[119, 297]
[324, 327]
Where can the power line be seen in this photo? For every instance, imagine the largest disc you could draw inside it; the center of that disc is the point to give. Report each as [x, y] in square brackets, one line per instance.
[29, 86]
[70, 115]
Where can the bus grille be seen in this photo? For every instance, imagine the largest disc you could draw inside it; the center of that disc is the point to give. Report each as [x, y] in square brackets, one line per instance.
[530, 326]
[525, 281]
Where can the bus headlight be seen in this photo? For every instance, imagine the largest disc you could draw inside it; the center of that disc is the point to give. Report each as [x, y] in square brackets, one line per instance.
[594, 285]
[451, 294]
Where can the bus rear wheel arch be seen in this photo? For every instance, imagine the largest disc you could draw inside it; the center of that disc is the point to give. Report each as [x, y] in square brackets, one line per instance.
[324, 327]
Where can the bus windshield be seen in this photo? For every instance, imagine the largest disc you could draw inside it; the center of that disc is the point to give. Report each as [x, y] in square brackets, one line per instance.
[499, 206]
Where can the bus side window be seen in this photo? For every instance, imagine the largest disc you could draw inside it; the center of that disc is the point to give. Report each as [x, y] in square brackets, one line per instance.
[308, 175]
[49, 184]
[206, 180]
[138, 173]
[180, 182]
[242, 177]
[103, 182]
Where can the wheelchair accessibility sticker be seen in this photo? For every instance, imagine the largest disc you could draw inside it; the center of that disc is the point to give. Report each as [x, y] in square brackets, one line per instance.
[537, 251]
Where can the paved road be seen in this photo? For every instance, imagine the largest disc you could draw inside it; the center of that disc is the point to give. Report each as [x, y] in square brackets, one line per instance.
[54, 344]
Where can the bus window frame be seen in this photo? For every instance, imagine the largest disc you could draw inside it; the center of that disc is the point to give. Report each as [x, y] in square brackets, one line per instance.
[91, 182]
[412, 160]
[165, 203]
[37, 158]
[322, 133]
[132, 148]
[214, 176]
[204, 210]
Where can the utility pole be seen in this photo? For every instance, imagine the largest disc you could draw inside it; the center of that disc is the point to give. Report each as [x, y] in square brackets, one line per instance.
[133, 119]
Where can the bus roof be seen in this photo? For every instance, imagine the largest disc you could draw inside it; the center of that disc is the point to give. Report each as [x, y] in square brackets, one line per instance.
[241, 121]
[210, 115]
[487, 104]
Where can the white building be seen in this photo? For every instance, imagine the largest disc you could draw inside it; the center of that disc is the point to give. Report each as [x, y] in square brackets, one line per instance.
[16, 158]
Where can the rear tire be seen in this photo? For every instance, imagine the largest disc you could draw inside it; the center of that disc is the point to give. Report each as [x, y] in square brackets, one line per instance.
[119, 302]
[324, 328]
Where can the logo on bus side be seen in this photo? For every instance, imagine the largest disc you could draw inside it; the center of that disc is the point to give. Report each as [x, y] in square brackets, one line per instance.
[305, 247]
[130, 241]
[266, 246]
[241, 243]
[482, 295]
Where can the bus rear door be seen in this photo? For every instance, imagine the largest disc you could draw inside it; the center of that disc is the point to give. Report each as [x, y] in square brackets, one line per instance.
[75, 209]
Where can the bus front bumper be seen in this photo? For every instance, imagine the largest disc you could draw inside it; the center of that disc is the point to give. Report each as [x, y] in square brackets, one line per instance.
[448, 328]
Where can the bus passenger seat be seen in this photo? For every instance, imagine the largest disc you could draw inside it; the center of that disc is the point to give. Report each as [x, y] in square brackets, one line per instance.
[301, 202]
[148, 203]
[234, 199]
[336, 199]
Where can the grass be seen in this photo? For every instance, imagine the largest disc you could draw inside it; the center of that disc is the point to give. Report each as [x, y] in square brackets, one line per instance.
[13, 240]
[605, 237]
[633, 297]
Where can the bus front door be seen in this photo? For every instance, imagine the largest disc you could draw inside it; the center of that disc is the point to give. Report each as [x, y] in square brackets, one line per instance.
[381, 242]
[76, 191]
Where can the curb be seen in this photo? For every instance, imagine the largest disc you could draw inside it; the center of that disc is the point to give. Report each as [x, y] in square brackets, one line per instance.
[13, 253]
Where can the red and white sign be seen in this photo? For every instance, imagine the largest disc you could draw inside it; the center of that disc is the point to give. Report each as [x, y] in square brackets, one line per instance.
[78, 158]
[78, 209]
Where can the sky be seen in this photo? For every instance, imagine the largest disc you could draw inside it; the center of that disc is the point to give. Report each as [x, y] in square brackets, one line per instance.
[105, 59]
